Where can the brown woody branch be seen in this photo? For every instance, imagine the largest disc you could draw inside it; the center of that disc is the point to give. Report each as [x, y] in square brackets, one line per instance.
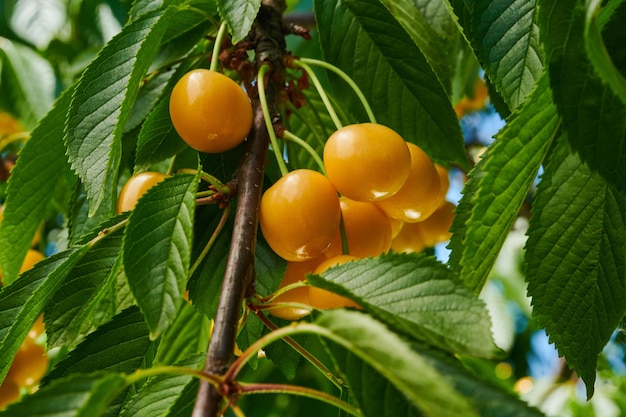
[268, 37]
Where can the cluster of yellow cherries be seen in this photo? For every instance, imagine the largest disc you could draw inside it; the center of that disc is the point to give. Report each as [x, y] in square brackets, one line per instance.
[379, 193]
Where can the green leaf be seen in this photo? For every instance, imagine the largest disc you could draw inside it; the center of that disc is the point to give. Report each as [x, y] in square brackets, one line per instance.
[102, 102]
[597, 49]
[158, 140]
[76, 396]
[506, 40]
[368, 346]
[488, 399]
[160, 394]
[418, 296]
[22, 301]
[594, 117]
[41, 166]
[205, 284]
[576, 258]
[121, 345]
[502, 183]
[27, 80]
[157, 249]
[48, 16]
[434, 45]
[363, 39]
[239, 16]
[188, 335]
[85, 299]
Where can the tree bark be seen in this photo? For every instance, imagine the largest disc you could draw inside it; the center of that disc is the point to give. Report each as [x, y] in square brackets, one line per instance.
[269, 42]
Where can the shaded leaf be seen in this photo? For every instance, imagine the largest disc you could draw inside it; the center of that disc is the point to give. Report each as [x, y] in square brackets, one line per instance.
[594, 117]
[502, 183]
[23, 300]
[160, 394]
[40, 167]
[597, 17]
[102, 102]
[435, 45]
[239, 16]
[158, 140]
[404, 92]
[417, 296]
[121, 345]
[188, 335]
[76, 396]
[157, 249]
[86, 298]
[576, 258]
[419, 385]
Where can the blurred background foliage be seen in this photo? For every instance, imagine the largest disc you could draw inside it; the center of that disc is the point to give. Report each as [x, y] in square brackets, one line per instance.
[46, 44]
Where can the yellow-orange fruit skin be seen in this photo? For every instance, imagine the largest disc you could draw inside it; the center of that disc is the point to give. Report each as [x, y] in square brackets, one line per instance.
[299, 215]
[210, 112]
[419, 196]
[135, 187]
[367, 161]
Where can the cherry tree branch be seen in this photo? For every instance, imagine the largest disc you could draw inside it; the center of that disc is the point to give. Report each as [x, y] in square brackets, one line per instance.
[267, 34]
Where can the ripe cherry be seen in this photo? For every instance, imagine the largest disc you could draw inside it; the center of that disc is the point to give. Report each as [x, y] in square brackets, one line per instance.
[299, 215]
[135, 187]
[410, 239]
[367, 161]
[419, 196]
[29, 365]
[436, 228]
[296, 271]
[323, 299]
[368, 230]
[444, 181]
[9, 393]
[210, 111]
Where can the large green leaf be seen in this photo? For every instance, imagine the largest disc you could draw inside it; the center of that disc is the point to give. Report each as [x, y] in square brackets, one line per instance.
[76, 396]
[160, 394]
[121, 345]
[102, 102]
[363, 39]
[576, 258]
[239, 15]
[40, 167]
[435, 45]
[86, 298]
[158, 140]
[602, 53]
[157, 249]
[413, 382]
[506, 40]
[593, 115]
[418, 296]
[27, 82]
[23, 300]
[188, 335]
[502, 183]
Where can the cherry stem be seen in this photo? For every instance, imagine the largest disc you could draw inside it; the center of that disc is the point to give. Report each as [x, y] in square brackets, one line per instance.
[237, 411]
[345, 247]
[321, 92]
[282, 290]
[15, 137]
[276, 334]
[212, 239]
[268, 120]
[106, 232]
[140, 374]
[348, 80]
[301, 142]
[216, 47]
[268, 388]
